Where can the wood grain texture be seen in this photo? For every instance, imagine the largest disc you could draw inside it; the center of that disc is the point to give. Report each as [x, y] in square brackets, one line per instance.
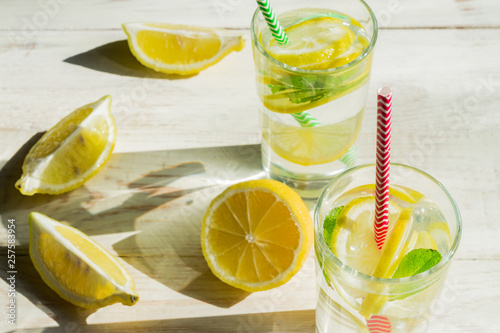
[32, 15]
[182, 140]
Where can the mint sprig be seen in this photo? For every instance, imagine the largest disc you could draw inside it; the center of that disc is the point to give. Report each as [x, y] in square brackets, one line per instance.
[417, 261]
[300, 89]
[329, 224]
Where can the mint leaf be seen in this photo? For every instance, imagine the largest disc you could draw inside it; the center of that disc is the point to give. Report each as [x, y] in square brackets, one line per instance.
[276, 88]
[301, 82]
[417, 261]
[330, 222]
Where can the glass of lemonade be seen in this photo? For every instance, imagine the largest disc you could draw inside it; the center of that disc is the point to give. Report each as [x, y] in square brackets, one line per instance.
[312, 91]
[364, 289]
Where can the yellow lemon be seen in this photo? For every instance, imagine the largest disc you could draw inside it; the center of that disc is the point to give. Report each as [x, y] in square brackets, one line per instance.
[77, 268]
[256, 235]
[180, 49]
[71, 152]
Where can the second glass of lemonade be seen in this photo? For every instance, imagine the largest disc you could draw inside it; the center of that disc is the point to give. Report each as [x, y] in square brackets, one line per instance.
[312, 91]
[362, 288]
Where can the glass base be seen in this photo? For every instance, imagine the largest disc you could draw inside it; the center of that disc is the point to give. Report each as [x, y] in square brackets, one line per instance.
[307, 181]
[307, 189]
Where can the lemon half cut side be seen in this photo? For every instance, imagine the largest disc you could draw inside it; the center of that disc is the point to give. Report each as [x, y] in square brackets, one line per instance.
[256, 235]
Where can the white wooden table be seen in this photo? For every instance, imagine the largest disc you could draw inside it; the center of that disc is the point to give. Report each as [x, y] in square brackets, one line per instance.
[180, 141]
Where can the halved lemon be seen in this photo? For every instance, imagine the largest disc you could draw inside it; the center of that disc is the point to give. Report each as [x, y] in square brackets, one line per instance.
[256, 235]
[71, 152]
[180, 49]
[77, 268]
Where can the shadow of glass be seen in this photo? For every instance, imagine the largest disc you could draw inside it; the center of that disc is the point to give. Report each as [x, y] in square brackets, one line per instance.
[168, 248]
[116, 58]
[290, 321]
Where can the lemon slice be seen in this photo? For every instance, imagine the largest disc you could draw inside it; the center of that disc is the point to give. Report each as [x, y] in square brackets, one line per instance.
[425, 241]
[388, 262]
[77, 268]
[318, 43]
[405, 193]
[311, 145]
[256, 235]
[398, 191]
[353, 239]
[180, 49]
[71, 152]
[440, 234]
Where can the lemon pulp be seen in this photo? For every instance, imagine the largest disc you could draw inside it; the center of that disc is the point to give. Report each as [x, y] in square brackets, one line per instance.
[256, 235]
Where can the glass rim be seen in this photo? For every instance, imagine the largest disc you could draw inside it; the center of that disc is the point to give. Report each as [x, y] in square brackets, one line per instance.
[260, 48]
[390, 281]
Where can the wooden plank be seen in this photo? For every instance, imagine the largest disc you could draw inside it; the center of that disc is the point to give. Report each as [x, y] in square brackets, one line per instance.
[160, 191]
[68, 70]
[202, 300]
[32, 16]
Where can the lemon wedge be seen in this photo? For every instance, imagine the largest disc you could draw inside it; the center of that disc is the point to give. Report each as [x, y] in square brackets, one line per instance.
[71, 152]
[256, 235]
[78, 269]
[180, 49]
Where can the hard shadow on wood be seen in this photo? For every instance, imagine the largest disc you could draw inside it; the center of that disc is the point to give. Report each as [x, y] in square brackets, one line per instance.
[168, 248]
[116, 58]
[170, 252]
[29, 284]
[160, 195]
[101, 209]
[10, 197]
[302, 321]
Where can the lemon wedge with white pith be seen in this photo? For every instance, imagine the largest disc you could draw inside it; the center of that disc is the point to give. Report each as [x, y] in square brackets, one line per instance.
[180, 49]
[256, 235]
[71, 152]
[78, 269]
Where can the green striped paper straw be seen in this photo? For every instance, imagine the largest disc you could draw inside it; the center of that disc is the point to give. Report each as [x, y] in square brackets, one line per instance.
[272, 22]
[349, 159]
[305, 119]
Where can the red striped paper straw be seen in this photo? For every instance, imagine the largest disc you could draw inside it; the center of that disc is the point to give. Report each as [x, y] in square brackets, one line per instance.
[383, 165]
[378, 324]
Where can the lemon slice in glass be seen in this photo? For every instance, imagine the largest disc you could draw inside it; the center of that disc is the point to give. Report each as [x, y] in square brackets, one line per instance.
[353, 239]
[318, 43]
